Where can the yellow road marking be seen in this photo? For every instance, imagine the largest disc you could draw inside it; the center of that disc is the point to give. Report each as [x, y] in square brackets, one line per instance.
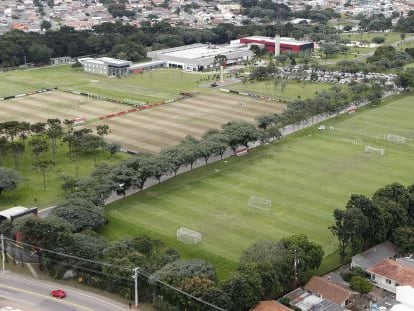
[45, 296]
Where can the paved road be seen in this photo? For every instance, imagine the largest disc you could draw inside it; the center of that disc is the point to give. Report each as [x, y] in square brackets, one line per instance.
[33, 295]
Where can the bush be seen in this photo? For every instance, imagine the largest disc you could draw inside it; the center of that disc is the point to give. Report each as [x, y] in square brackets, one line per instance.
[378, 40]
[360, 284]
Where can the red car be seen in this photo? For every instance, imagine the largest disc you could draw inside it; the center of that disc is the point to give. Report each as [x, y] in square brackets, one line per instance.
[58, 293]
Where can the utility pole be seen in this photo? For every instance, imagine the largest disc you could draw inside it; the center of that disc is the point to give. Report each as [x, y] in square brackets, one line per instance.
[135, 277]
[3, 253]
[295, 268]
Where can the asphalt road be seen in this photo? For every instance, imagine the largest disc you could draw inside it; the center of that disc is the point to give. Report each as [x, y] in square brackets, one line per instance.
[33, 295]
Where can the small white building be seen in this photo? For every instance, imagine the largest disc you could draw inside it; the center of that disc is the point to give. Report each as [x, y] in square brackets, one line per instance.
[15, 212]
[106, 66]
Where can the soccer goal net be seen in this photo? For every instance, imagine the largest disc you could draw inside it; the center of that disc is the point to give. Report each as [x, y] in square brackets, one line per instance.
[260, 203]
[380, 151]
[188, 236]
[395, 139]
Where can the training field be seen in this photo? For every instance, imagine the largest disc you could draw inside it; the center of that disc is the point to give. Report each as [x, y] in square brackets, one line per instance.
[151, 87]
[306, 176]
[147, 130]
[164, 126]
[40, 107]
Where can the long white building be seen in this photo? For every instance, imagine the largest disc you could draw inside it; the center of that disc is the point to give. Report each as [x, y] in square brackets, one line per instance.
[198, 57]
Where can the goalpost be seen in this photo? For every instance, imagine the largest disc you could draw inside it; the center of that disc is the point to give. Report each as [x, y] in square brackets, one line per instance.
[395, 139]
[380, 151]
[260, 203]
[188, 236]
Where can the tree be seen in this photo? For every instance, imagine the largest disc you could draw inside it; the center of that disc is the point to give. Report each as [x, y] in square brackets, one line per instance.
[195, 274]
[217, 142]
[42, 232]
[39, 53]
[81, 213]
[45, 25]
[239, 133]
[4, 148]
[244, 290]
[191, 150]
[39, 146]
[220, 60]
[360, 284]
[175, 157]
[404, 239]
[43, 165]
[17, 148]
[54, 131]
[38, 128]
[405, 79]
[9, 179]
[102, 130]
[113, 148]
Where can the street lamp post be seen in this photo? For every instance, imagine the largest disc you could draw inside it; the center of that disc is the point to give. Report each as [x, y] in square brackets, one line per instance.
[135, 277]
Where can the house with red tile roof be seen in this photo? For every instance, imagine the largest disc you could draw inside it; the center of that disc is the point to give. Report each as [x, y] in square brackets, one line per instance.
[330, 290]
[270, 305]
[388, 274]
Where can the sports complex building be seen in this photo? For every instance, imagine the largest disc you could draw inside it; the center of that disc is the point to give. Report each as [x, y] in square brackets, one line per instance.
[198, 57]
[106, 66]
[271, 44]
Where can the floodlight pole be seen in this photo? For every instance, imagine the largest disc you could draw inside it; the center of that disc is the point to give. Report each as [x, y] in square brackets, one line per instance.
[135, 277]
[3, 253]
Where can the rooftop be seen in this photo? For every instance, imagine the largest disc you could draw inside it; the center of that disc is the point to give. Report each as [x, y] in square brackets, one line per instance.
[270, 305]
[14, 211]
[328, 290]
[283, 40]
[201, 51]
[394, 270]
[374, 255]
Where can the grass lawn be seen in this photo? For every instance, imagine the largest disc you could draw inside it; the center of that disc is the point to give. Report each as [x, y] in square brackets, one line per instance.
[390, 37]
[153, 86]
[31, 187]
[293, 89]
[306, 176]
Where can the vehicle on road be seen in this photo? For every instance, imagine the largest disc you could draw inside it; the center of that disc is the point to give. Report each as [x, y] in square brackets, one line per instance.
[58, 293]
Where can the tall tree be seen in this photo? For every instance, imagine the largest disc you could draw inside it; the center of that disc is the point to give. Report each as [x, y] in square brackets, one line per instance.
[43, 165]
[54, 131]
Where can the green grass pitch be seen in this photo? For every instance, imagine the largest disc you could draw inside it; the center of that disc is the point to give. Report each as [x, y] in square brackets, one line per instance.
[306, 176]
[153, 86]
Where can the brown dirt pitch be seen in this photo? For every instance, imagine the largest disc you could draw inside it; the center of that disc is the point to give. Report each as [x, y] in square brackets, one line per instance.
[164, 126]
[148, 130]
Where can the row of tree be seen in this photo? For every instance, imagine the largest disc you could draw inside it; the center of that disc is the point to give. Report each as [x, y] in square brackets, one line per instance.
[128, 42]
[388, 215]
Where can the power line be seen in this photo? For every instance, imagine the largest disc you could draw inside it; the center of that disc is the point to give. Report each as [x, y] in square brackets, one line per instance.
[139, 271]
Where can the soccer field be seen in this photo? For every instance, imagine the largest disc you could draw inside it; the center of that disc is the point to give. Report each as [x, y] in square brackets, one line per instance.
[153, 86]
[306, 176]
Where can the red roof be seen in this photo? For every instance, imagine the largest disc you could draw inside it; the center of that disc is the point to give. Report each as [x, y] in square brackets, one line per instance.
[270, 305]
[328, 290]
[394, 270]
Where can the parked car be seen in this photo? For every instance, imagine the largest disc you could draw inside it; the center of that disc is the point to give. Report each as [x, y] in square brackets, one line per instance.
[58, 293]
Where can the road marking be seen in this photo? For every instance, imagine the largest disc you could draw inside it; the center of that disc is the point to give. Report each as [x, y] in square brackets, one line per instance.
[46, 296]
[47, 283]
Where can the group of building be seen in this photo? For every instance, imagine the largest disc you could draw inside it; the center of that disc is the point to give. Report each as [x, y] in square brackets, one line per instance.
[392, 277]
[195, 57]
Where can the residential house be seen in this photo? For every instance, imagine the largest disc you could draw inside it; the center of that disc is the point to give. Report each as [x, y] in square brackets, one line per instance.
[374, 255]
[270, 305]
[307, 301]
[388, 274]
[330, 290]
